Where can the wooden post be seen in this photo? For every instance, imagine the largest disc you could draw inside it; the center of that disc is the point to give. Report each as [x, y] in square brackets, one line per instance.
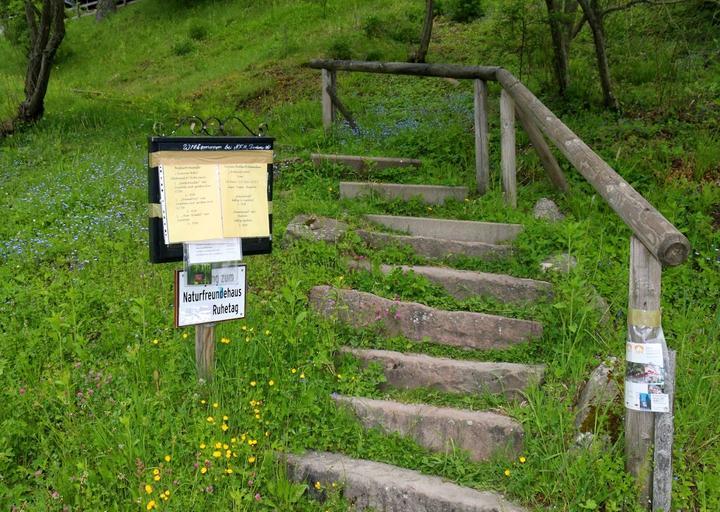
[482, 159]
[342, 108]
[205, 351]
[552, 168]
[644, 294]
[664, 430]
[328, 109]
[507, 148]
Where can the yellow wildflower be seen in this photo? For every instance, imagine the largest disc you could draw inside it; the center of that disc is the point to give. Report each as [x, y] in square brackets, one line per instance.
[225, 340]
[148, 488]
[253, 383]
[202, 402]
[185, 335]
[522, 459]
[202, 446]
[203, 470]
[225, 418]
[155, 341]
[218, 445]
[271, 383]
[318, 486]
[229, 471]
[293, 370]
[252, 459]
[210, 419]
[168, 458]
[156, 471]
[228, 454]
[257, 416]
[507, 472]
[217, 453]
[215, 405]
[302, 375]
[267, 333]
[151, 505]
[224, 427]
[244, 328]
[156, 478]
[225, 447]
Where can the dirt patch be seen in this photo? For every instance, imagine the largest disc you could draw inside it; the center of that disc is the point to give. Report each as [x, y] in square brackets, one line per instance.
[284, 85]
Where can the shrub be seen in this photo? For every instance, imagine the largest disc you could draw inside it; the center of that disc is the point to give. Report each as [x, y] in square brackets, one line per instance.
[198, 32]
[462, 11]
[374, 27]
[340, 49]
[181, 48]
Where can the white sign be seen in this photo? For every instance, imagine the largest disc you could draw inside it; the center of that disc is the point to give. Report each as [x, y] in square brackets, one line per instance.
[222, 300]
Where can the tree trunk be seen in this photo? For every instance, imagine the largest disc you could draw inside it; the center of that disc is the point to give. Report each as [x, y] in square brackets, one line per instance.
[560, 15]
[47, 30]
[595, 21]
[426, 34]
[104, 9]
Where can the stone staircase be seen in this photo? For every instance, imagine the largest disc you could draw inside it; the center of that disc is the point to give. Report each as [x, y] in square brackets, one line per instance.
[482, 434]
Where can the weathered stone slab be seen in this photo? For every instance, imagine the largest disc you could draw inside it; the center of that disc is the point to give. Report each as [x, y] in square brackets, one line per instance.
[361, 163]
[311, 227]
[419, 322]
[447, 229]
[463, 284]
[435, 247]
[387, 488]
[563, 263]
[480, 433]
[601, 390]
[431, 194]
[411, 371]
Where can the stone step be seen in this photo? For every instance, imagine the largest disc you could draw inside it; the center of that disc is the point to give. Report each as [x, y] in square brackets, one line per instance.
[419, 322]
[447, 229]
[431, 194]
[435, 247]
[387, 488]
[411, 371]
[361, 163]
[463, 284]
[482, 434]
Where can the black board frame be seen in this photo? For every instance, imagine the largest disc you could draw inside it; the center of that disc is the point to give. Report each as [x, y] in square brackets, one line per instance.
[163, 253]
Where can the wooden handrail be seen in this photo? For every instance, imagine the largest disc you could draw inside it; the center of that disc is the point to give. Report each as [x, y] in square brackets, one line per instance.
[405, 68]
[656, 233]
[661, 238]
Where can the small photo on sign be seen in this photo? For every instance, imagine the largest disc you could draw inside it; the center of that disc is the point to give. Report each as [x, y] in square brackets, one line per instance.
[199, 273]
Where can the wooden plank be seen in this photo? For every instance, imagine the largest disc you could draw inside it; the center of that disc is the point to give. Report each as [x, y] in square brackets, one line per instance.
[664, 431]
[342, 108]
[328, 109]
[482, 158]
[361, 163]
[407, 68]
[644, 294]
[205, 351]
[507, 148]
[552, 168]
[662, 238]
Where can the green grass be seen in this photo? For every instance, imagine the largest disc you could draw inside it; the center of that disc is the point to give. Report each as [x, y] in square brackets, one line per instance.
[91, 404]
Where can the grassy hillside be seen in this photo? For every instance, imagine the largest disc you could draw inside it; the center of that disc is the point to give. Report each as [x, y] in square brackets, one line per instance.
[98, 391]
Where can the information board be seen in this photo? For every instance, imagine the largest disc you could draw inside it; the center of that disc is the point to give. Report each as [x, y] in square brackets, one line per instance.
[202, 188]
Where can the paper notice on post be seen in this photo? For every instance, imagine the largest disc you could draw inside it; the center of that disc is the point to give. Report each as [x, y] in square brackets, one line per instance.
[647, 353]
[214, 251]
[191, 202]
[244, 199]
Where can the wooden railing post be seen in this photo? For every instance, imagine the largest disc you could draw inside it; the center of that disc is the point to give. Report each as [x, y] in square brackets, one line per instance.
[644, 294]
[507, 148]
[328, 108]
[547, 159]
[205, 351]
[482, 159]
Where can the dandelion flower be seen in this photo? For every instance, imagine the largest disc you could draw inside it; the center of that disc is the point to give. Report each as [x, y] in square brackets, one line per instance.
[218, 445]
[151, 505]
[522, 459]
[252, 459]
[225, 418]
[225, 447]
[156, 478]
[168, 458]
[202, 446]
[217, 453]
[148, 488]
[506, 472]
[203, 470]
[156, 471]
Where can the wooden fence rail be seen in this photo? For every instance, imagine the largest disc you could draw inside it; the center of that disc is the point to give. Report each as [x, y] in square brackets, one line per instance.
[655, 241]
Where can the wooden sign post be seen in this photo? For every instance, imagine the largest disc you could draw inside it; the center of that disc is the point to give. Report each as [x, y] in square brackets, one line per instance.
[205, 351]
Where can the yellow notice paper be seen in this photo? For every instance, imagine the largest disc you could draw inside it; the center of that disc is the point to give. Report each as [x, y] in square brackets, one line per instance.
[244, 200]
[192, 202]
